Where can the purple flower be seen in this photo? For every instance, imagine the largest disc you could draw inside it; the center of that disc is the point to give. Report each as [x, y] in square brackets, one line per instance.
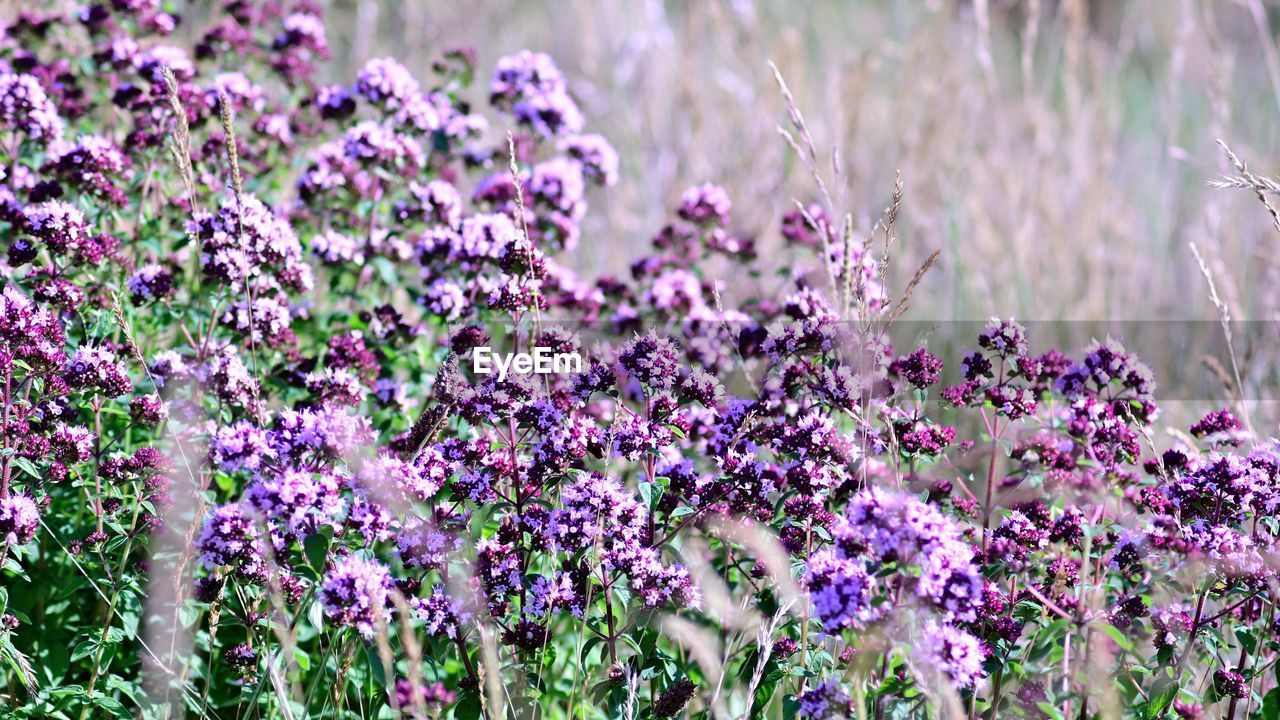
[439, 202]
[827, 700]
[355, 594]
[228, 539]
[299, 500]
[702, 387]
[334, 101]
[1220, 489]
[386, 83]
[72, 443]
[241, 658]
[797, 230]
[246, 240]
[397, 482]
[61, 226]
[1169, 624]
[706, 204]
[424, 544]
[1005, 338]
[442, 616]
[890, 527]
[1230, 684]
[148, 410]
[94, 164]
[150, 64]
[240, 91]
[1219, 426]
[411, 704]
[531, 88]
[951, 651]
[303, 30]
[335, 386]
[96, 368]
[841, 590]
[592, 504]
[19, 519]
[322, 431]
[230, 378]
[265, 320]
[25, 108]
[338, 249]
[596, 155]
[921, 368]
[151, 282]
[652, 360]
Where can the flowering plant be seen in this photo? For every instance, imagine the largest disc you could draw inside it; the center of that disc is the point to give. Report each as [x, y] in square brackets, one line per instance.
[248, 468]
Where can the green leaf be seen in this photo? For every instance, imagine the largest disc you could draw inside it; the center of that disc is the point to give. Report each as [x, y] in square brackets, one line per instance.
[1050, 710]
[112, 706]
[85, 649]
[316, 548]
[1271, 705]
[375, 666]
[1118, 637]
[27, 467]
[1162, 695]
[468, 708]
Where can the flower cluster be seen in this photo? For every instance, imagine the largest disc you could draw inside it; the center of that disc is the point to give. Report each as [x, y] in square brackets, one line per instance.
[236, 339]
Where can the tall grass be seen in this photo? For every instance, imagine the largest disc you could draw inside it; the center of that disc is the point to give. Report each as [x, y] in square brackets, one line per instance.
[1062, 177]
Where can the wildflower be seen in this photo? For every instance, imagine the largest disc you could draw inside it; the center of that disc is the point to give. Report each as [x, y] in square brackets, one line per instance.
[424, 544]
[299, 500]
[827, 700]
[93, 164]
[597, 157]
[25, 108]
[72, 444]
[334, 102]
[531, 88]
[1170, 623]
[151, 63]
[355, 592]
[706, 204]
[438, 201]
[303, 30]
[59, 225]
[96, 368]
[244, 239]
[148, 410]
[386, 83]
[228, 539]
[323, 431]
[652, 360]
[921, 368]
[241, 658]
[673, 700]
[841, 590]
[1221, 424]
[19, 519]
[427, 695]
[951, 651]
[1230, 683]
[151, 282]
[798, 226]
[442, 615]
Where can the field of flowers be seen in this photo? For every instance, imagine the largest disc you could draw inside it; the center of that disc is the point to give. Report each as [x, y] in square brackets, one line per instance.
[249, 467]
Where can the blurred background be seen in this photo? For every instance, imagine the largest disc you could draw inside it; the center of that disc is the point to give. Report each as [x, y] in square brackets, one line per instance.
[1057, 152]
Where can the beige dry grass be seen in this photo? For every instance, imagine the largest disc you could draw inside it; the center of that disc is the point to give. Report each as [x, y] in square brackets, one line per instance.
[1057, 152]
